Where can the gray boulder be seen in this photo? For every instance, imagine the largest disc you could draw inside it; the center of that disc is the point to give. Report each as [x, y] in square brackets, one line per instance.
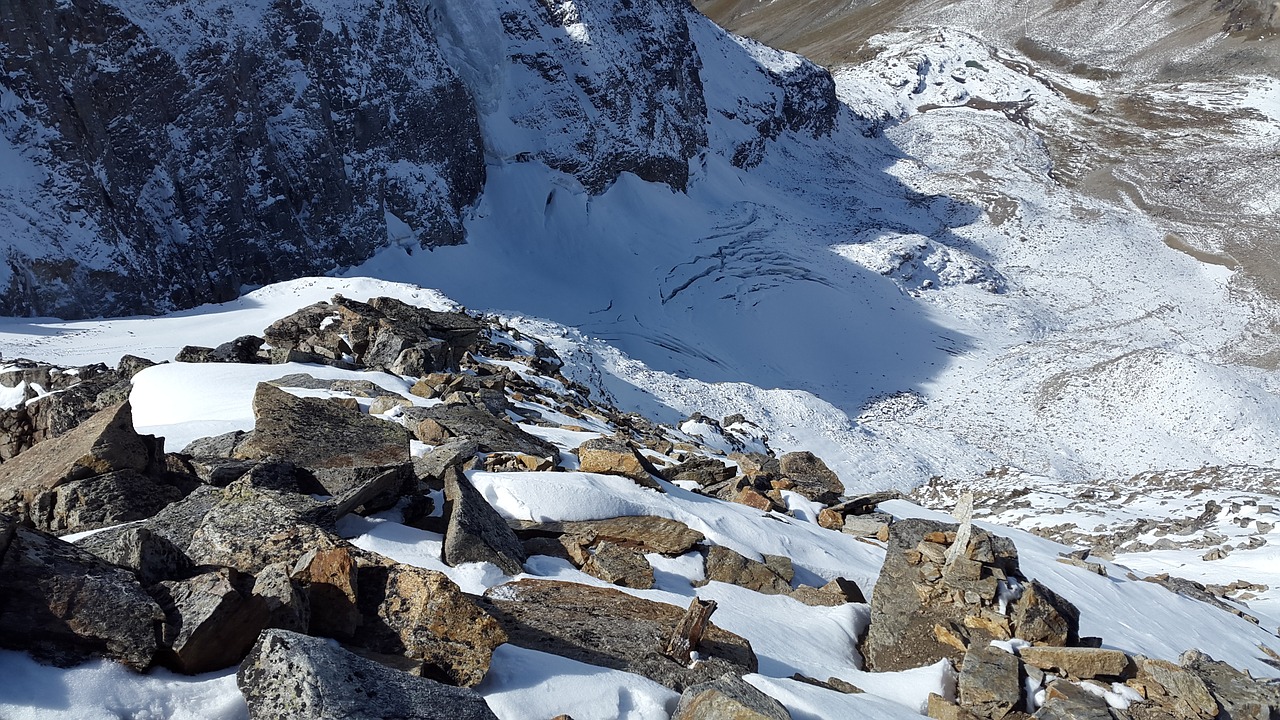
[476, 532]
[439, 424]
[809, 476]
[990, 683]
[63, 605]
[211, 620]
[728, 697]
[287, 675]
[772, 577]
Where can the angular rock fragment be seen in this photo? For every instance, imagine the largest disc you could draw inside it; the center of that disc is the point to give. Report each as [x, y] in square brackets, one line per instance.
[648, 533]
[811, 477]
[288, 675]
[288, 605]
[1076, 662]
[609, 456]
[1067, 701]
[329, 579]
[210, 621]
[150, 555]
[990, 683]
[439, 424]
[728, 697]
[63, 605]
[1240, 696]
[619, 565]
[609, 628]
[729, 566]
[476, 532]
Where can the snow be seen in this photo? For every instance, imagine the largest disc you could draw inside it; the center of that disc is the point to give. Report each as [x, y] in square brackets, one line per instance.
[529, 684]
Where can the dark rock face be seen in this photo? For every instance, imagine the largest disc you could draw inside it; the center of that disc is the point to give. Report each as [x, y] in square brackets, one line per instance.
[63, 605]
[292, 675]
[611, 629]
[211, 620]
[190, 153]
[476, 532]
[438, 424]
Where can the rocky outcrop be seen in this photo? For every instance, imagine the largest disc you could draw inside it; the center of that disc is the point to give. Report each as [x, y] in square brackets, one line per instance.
[66, 398]
[63, 605]
[292, 675]
[611, 629]
[101, 473]
[945, 588]
[728, 698]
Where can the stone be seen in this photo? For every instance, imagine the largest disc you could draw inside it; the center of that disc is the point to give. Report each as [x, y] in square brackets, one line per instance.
[217, 446]
[383, 488]
[517, 462]
[431, 467]
[701, 470]
[990, 682]
[811, 477]
[421, 614]
[1065, 700]
[647, 533]
[1042, 617]
[830, 519]
[729, 566]
[210, 621]
[1240, 696]
[728, 697]
[63, 605]
[1076, 662]
[751, 498]
[476, 532]
[437, 424]
[288, 606]
[101, 473]
[836, 592]
[320, 435]
[940, 708]
[1174, 687]
[288, 675]
[619, 565]
[329, 579]
[606, 627]
[150, 555]
[609, 456]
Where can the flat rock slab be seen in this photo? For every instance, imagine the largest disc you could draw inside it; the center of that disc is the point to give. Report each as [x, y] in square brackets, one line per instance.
[63, 605]
[609, 628]
[320, 434]
[1076, 662]
[288, 675]
[648, 533]
[440, 423]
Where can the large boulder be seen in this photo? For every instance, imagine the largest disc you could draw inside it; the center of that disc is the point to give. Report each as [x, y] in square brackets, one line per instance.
[63, 605]
[421, 614]
[990, 683]
[288, 675]
[610, 456]
[772, 577]
[945, 587]
[72, 395]
[476, 532]
[1239, 695]
[101, 473]
[648, 533]
[321, 435]
[609, 628]
[806, 474]
[728, 698]
[211, 620]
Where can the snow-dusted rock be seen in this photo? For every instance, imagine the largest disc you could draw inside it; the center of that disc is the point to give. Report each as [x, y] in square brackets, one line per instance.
[292, 675]
[728, 697]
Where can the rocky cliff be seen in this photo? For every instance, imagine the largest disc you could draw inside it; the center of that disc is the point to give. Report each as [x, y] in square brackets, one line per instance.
[163, 153]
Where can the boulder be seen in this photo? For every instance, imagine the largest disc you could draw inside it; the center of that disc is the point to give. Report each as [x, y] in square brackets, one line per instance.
[329, 579]
[647, 533]
[703, 471]
[211, 620]
[836, 592]
[176, 524]
[1043, 617]
[287, 675]
[147, 553]
[811, 477]
[728, 697]
[606, 627]
[609, 456]
[288, 605]
[431, 466]
[421, 614]
[476, 532]
[321, 435]
[100, 473]
[1076, 662]
[940, 708]
[618, 564]
[438, 424]
[1240, 696]
[772, 577]
[1066, 700]
[63, 605]
[990, 683]
[1174, 688]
